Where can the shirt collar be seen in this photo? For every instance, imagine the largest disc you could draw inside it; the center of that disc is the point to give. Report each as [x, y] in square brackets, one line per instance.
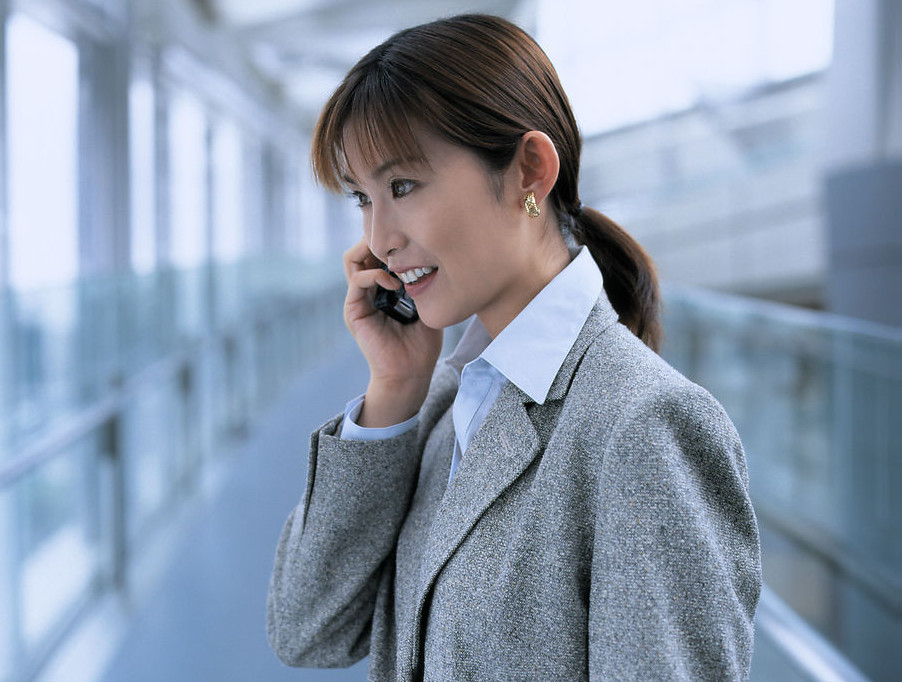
[474, 340]
[530, 350]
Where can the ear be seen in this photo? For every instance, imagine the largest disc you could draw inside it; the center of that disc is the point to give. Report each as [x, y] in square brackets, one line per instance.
[537, 163]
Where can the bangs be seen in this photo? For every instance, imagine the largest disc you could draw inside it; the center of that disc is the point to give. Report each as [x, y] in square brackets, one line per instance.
[375, 114]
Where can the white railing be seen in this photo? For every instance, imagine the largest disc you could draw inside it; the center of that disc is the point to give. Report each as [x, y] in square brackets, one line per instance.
[816, 400]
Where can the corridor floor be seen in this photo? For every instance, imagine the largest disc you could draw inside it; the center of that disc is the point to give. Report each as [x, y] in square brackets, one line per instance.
[205, 620]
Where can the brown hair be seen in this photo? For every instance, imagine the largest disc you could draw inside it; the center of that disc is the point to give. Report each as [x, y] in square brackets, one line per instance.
[481, 82]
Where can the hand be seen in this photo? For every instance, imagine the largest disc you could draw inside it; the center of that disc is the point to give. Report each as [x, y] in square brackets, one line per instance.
[401, 358]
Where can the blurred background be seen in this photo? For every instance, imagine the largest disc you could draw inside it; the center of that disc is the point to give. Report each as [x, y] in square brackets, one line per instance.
[170, 301]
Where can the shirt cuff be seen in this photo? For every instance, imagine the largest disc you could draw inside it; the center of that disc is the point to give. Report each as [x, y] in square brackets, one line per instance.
[350, 430]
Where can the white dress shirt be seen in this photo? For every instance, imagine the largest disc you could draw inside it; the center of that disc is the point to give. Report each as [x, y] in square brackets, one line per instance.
[528, 352]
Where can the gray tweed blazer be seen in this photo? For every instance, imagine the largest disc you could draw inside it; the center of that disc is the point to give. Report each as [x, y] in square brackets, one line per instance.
[604, 535]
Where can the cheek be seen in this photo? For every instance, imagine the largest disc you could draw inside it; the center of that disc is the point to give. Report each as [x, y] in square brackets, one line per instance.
[441, 232]
[464, 231]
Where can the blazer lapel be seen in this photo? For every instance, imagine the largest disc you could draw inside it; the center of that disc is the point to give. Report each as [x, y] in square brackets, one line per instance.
[501, 450]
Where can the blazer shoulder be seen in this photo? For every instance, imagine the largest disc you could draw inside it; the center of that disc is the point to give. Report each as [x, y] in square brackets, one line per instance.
[618, 359]
[621, 382]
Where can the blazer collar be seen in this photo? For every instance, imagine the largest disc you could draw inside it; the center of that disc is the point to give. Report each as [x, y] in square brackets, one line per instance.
[602, 316]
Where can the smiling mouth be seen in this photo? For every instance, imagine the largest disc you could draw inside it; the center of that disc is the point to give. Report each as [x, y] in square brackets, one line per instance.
[412, 276]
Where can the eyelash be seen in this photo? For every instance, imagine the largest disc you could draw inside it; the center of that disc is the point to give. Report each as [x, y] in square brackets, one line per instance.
[398, 193]
[360, 199]
[399, 189]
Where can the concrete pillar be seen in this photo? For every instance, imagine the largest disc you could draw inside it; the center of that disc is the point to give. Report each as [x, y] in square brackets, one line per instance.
[863, 189]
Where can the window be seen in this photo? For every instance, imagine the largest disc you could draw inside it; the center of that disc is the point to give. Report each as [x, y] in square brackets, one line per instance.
[51, 554]
[188, 181]
[228, 199]
[42, 72]
[143, 176]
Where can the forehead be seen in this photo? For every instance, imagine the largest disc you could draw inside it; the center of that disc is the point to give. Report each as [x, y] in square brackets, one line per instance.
[367, 151]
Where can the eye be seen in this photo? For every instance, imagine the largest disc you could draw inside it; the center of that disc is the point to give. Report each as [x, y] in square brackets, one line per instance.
[359, 198]
[401, 188]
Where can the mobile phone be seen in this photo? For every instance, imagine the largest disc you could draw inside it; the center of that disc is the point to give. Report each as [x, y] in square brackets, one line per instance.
[396, 304]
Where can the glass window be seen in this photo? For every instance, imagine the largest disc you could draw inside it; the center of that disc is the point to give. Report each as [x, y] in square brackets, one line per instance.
[143, 176]
[42, 73]
[188, 210]
[188, 180]
[42, 130]
[43, 179]
[228, 200]
[49, 538]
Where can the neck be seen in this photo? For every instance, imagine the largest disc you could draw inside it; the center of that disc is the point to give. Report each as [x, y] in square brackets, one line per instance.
[552, 256]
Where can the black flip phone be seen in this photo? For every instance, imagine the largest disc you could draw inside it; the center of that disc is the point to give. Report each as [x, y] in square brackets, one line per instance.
[396, 304]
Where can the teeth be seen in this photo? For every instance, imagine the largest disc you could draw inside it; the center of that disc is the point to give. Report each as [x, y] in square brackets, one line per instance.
[412, 276]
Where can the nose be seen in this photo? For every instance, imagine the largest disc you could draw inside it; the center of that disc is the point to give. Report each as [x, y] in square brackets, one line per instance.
[383, 233]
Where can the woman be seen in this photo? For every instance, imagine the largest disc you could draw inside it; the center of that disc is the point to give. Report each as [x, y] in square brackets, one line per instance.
[553, 501]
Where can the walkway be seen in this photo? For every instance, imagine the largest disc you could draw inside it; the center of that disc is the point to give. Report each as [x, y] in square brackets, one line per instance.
[205, 621]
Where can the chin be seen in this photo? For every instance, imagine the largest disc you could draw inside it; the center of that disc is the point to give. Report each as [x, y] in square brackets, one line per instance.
[431, 321]
[439, 320]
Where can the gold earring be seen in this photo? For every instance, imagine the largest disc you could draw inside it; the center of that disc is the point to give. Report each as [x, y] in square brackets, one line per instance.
[532, 208]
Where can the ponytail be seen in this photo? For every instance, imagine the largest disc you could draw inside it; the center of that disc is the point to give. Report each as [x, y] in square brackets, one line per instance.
[629, 274]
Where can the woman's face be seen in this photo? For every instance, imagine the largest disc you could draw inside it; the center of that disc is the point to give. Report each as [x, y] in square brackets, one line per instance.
[459, 248]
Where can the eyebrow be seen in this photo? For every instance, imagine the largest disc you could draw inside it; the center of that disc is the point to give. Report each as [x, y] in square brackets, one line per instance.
[382, 168]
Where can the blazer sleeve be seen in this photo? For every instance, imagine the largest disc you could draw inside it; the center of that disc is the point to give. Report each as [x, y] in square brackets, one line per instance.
[337, 545]
[676, 568]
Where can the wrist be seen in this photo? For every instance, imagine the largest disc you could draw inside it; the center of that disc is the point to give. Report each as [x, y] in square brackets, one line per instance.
[389, 402]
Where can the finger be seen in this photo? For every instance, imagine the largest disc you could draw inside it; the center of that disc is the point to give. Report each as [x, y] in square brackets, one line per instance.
[361, 291]
[354, 258]
[362, 282]
[359, 257]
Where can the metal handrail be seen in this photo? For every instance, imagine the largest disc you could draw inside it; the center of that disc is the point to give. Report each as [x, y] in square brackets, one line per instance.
[800, 644]
[793, 315]
[52, 445]
[94, 417]
[882, 585]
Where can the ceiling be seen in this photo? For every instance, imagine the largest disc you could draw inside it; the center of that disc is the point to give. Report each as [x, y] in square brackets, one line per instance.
[309, 45]
[620, 62]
